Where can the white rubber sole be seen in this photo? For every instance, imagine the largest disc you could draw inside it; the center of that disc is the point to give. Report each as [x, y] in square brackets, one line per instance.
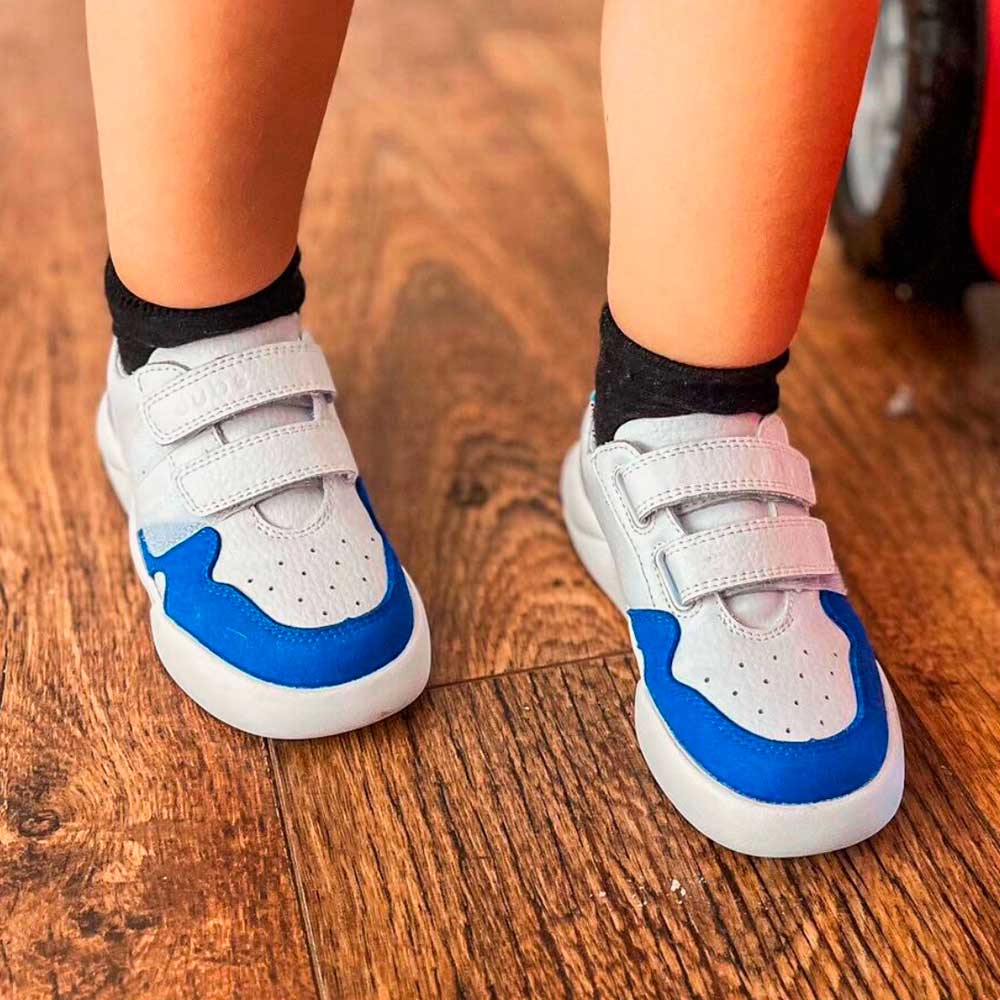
[257, 706]
[742, 824]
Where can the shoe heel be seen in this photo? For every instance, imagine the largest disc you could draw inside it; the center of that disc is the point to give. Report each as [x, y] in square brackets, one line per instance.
[585, 532]
[110, 451]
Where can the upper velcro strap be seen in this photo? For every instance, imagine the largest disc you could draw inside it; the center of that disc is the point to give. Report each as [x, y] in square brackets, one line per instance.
[763, 551]
[258, 465]
[682, 472]
[228, 385]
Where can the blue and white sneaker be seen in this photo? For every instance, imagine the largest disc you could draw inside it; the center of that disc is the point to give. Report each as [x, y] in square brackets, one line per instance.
[277, 603]
[761, 709]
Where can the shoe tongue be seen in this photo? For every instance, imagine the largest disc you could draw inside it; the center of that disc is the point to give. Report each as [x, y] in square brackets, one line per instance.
[759, 608]
[296, 505]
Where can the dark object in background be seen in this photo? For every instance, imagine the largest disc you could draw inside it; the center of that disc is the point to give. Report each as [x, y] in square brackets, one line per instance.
[919, 196]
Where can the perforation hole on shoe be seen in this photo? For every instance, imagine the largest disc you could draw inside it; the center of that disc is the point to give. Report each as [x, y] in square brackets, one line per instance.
[292, 575]
[762, 681]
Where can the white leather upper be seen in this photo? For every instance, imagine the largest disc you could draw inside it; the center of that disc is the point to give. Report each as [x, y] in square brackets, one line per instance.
[240, 433]
[718, 534]
[330, 569]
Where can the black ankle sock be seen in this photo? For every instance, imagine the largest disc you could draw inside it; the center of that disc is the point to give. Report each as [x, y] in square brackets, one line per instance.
[142, 326]
[632, 382]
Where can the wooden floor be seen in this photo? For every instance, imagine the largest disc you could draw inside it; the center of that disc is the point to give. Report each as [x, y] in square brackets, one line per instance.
[502, 838]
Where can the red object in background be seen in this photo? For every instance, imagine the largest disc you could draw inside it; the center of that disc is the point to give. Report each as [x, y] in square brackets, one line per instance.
[985, 207]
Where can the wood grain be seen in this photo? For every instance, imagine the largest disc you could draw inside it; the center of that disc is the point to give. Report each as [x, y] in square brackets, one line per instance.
[502, 838]
[141, 853]
[505, 840]
[458, 273]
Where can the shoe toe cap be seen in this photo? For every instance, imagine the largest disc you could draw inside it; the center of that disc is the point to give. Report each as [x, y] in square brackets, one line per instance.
[804, 731]
[232, 625]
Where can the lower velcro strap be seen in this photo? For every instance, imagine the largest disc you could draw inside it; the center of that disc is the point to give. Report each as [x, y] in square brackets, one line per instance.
[256, 466]
[755, 553]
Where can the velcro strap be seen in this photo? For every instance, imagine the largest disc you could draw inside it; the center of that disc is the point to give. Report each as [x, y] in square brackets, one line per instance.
[258, 465]
[766, 550]
[228, 385]
[683, 472]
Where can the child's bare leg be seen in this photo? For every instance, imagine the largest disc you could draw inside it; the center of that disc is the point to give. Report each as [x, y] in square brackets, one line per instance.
[208, 113]
[727, 126]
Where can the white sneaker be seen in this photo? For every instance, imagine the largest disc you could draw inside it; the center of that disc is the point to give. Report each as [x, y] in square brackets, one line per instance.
[277, 602]
[761, 710]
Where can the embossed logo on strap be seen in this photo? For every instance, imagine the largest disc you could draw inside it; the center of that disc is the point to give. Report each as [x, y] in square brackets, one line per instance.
[231, 384]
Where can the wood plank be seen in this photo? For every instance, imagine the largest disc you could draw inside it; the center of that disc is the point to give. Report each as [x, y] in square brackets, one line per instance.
[504, 839]
[141, 854]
